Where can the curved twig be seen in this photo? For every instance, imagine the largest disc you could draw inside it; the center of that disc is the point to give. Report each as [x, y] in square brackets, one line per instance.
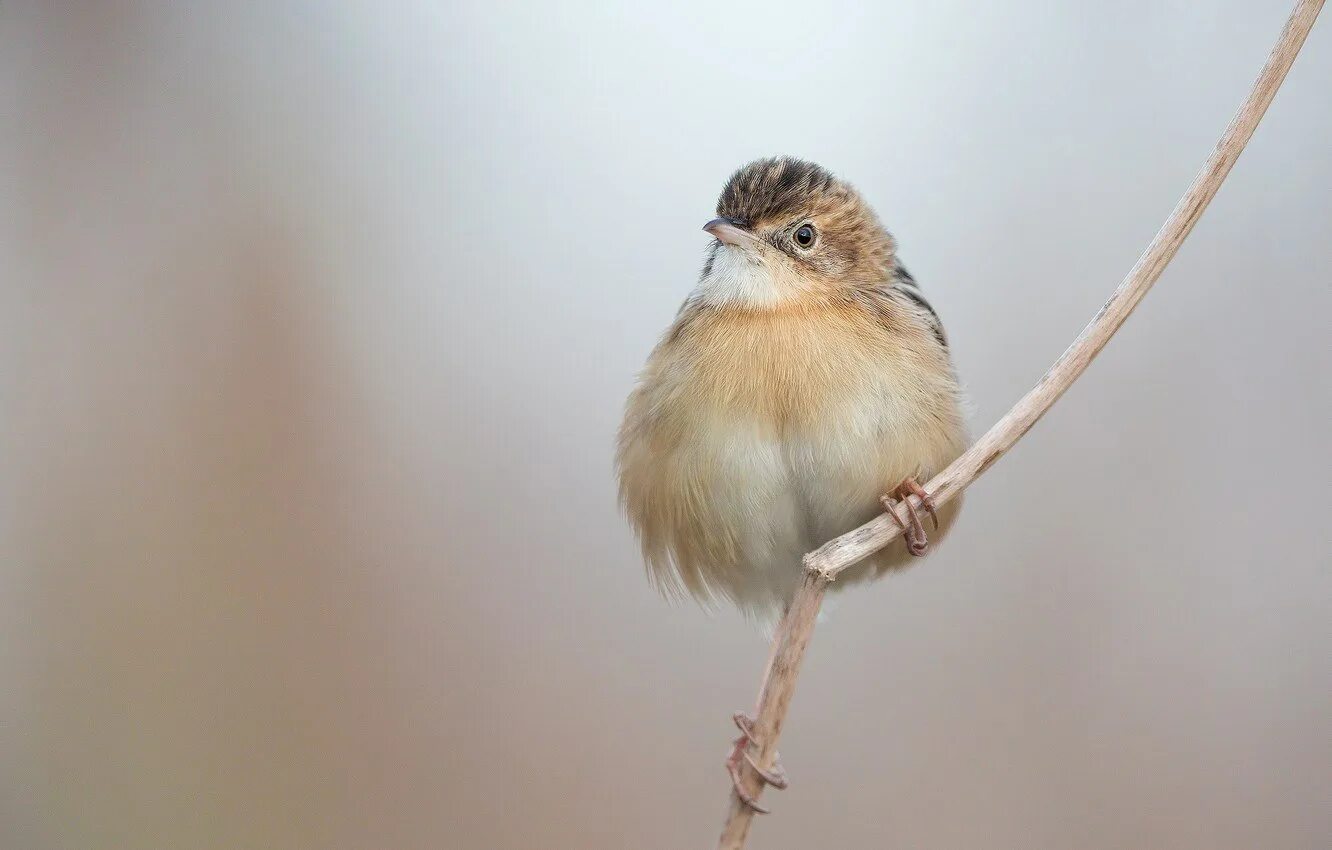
[825, 563]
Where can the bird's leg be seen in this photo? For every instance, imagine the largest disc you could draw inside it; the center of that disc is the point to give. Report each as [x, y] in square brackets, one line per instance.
[776, 776]
[913, 530]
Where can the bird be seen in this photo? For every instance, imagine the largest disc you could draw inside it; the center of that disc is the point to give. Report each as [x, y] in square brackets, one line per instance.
[804, 386]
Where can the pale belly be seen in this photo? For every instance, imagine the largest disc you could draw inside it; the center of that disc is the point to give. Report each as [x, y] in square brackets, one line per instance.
[781, 496]
[754, 442]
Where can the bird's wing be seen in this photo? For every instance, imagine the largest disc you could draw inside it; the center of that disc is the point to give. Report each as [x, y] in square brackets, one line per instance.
[903, 287]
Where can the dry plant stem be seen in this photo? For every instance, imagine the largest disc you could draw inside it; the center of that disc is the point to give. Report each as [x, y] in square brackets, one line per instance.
[824, 564]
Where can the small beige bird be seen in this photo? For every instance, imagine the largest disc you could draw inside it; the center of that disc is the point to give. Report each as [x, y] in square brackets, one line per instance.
[803, 387]
[805, 380]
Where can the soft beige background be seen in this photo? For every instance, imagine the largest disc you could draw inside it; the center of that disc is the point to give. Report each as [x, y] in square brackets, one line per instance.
[317, 321]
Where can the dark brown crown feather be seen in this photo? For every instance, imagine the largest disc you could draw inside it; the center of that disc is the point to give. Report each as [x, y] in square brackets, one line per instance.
[777, 187]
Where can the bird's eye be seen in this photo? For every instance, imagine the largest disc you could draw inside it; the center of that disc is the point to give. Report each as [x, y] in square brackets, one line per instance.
[804, 235]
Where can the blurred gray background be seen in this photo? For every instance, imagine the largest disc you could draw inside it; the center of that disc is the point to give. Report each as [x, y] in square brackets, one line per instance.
[316, 323]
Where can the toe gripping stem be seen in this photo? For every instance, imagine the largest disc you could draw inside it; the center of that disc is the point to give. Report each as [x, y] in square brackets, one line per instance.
[774, 776]
[912, 528]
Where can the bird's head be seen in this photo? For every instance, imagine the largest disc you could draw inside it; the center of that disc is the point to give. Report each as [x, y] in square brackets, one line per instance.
[787, 229]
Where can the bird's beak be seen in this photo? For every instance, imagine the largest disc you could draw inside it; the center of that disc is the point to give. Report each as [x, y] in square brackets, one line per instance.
[729, 232]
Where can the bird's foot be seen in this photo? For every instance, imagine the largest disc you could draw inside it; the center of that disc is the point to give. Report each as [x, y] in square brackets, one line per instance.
[774, 776]
[912, 528]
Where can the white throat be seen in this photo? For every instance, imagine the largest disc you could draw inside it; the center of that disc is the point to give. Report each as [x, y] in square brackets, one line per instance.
[741, 278]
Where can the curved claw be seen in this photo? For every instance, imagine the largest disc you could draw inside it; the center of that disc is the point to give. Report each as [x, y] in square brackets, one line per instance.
[926, 501]
[774, 776]
[912, 530]
[745, 724]
[738, 782]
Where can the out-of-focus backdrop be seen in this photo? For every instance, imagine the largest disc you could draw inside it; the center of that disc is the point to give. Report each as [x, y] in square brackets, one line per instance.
[317, 320]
